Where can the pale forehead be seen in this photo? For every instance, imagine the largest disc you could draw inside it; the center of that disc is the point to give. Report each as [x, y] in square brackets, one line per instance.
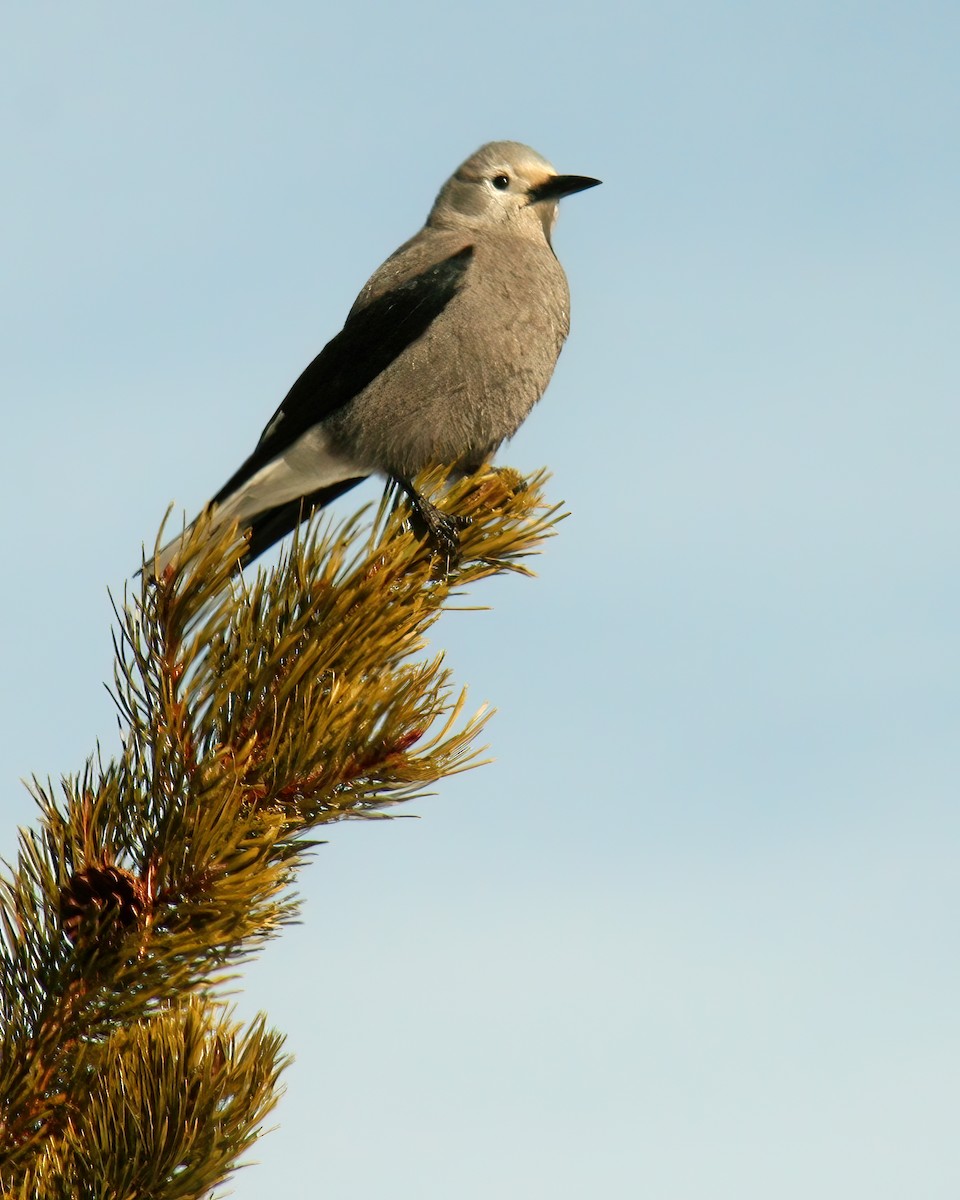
[506, 156]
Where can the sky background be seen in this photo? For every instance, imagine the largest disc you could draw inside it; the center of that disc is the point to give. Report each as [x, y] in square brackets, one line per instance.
[693, 935]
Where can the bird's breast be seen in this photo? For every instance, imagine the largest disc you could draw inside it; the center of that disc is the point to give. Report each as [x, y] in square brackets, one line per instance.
[469, 381]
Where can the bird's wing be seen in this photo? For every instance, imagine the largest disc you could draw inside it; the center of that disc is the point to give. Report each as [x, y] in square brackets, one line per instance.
[372, 338]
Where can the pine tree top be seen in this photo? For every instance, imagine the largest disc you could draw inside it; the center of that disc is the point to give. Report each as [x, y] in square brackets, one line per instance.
[252, 709]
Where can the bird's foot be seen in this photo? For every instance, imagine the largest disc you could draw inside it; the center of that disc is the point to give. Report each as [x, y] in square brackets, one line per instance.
[441, 529]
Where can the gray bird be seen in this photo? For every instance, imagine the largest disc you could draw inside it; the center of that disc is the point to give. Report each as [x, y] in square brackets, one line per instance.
[447, 348]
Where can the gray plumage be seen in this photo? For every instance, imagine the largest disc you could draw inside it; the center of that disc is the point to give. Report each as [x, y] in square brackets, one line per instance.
[449, 345]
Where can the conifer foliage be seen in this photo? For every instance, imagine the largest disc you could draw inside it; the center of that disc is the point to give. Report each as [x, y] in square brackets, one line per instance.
[252, 710]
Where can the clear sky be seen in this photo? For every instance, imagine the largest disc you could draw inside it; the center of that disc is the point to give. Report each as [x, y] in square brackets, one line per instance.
[693, 935]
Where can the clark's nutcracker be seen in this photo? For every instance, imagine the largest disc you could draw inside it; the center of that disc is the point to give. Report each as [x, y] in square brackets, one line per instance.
[445, 351]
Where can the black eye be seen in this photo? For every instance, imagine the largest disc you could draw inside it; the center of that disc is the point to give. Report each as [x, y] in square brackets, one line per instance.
[501, 182]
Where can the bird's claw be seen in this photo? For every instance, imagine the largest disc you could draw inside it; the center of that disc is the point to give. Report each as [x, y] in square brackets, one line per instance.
[441, 529]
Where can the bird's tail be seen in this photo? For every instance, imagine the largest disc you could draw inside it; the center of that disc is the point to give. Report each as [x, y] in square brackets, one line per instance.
[172, 552]
[255, 535]
[269, 526]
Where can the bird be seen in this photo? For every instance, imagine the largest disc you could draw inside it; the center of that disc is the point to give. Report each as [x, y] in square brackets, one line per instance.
[447, 348]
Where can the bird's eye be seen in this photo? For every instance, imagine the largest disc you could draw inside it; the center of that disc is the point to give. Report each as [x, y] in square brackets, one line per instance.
[501, 182]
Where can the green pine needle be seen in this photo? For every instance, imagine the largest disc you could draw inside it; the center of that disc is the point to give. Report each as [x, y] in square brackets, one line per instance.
[253, 708]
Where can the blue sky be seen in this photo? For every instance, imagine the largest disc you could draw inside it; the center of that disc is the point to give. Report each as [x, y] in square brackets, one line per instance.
[693, 934]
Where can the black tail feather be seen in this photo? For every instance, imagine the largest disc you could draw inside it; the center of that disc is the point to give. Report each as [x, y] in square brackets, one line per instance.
[273, 524]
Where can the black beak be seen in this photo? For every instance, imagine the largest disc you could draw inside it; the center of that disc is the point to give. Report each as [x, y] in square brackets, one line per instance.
[560, 185]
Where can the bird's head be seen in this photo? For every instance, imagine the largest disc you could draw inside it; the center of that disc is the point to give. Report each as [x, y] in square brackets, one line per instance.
[505, 184]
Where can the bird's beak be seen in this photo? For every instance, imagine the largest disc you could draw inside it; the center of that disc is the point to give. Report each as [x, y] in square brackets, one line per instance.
[556, 186]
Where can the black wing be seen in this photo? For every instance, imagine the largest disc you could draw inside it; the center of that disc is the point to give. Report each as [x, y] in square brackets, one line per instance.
[372, 338]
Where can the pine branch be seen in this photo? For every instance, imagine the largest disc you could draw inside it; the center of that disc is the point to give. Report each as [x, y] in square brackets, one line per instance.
[179, 1096]
[252, 711]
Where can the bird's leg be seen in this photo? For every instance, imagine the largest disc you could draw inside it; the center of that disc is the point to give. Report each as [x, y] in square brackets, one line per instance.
[440, 528]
